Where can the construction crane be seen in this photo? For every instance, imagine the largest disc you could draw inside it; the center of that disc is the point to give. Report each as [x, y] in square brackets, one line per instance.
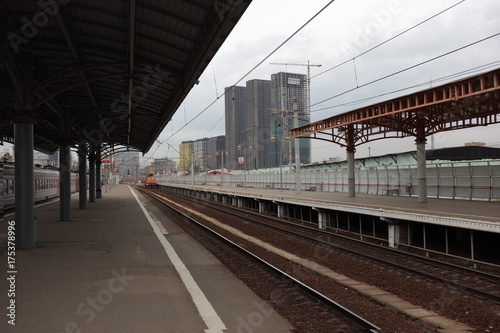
[308, 80]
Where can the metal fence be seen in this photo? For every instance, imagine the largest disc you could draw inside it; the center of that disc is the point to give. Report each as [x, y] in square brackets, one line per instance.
[478, 180]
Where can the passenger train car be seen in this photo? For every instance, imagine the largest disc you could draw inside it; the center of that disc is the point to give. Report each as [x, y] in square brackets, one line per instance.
[150, 180]
[45, 184]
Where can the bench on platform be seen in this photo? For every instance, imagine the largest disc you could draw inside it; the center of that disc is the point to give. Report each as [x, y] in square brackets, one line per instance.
[390, 191]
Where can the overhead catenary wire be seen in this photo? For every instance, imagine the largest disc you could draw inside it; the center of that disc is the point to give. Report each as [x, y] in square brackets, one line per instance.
[423, 84]
[296, 32]
[407, 69]
[385, 42]
[390, 39]
[249, 72]
[215, 82]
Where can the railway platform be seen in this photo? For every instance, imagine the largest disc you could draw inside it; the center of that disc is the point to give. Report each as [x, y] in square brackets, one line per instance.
[467, 209]
[465, 228]
[472, 211]
[122, 266]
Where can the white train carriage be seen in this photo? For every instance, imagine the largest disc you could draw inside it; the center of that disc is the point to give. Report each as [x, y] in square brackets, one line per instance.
[46, 184]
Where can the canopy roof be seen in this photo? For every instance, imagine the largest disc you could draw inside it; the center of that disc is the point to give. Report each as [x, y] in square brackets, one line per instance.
[112, 72]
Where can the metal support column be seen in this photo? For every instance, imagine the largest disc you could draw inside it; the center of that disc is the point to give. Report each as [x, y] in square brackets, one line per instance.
[82, 174]
[421, 158]
[98, 177]
[351, 181]
[472, 255]
[22, 82]
[425, 239]
[298, 180]
[65, 181]
[421, 171]
[92, 174]
[24, 175]
[446, 241]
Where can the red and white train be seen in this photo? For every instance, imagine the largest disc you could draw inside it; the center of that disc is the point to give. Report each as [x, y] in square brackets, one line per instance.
[45, 185]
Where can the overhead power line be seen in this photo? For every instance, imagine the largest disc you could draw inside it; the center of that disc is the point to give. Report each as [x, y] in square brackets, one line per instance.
[407, 68]
[390, 39]
[250, 71]
[470, 71]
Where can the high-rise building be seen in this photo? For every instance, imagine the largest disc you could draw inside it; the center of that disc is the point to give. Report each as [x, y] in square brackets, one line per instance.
[163, 166]
[215, 145]
[237, 123]
[248, 125]
[289, 99]
[127, 164]
[200, 151]
[259, 111]
[45, 159]
[185, 155]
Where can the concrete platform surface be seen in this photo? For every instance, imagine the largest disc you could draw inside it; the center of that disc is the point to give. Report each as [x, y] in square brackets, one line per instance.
[466, 210]
[121, 265]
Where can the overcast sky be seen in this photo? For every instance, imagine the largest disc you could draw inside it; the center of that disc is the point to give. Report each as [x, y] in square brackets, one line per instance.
[340, 33]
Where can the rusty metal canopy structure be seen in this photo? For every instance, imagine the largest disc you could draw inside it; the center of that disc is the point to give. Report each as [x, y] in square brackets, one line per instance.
[110, 72]
[469, 102]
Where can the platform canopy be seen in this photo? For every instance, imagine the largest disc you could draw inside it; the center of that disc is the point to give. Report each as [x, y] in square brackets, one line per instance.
[468, 102]
[110, 72]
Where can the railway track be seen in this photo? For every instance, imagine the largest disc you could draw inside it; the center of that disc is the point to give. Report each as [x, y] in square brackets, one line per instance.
[483, 285]
[299, 294]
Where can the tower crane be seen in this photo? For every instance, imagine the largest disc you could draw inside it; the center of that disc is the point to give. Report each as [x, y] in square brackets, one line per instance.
[308, 80]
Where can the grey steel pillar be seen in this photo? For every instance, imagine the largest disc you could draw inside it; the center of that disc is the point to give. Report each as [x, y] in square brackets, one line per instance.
[98, 178]
[65, 181]
[298, 180]
[421, 172]
[421, 158]
[92, 174]
[82, 174]
[351, 180]
[24, 175]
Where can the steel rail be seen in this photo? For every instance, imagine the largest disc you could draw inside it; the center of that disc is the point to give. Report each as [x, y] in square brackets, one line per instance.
[471, 290]
[368, 326]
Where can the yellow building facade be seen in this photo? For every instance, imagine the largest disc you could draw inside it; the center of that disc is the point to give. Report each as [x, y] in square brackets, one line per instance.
[185, 155]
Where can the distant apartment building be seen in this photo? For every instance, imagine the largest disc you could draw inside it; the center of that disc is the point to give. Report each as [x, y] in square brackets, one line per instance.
[127, 164]
[162, 166]
[289, 99]
[200, 150]
[247, 114]
[46, 160]
[261, 110]
[185, 155]
[237, 123]
[259, 128]
[215, 146]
